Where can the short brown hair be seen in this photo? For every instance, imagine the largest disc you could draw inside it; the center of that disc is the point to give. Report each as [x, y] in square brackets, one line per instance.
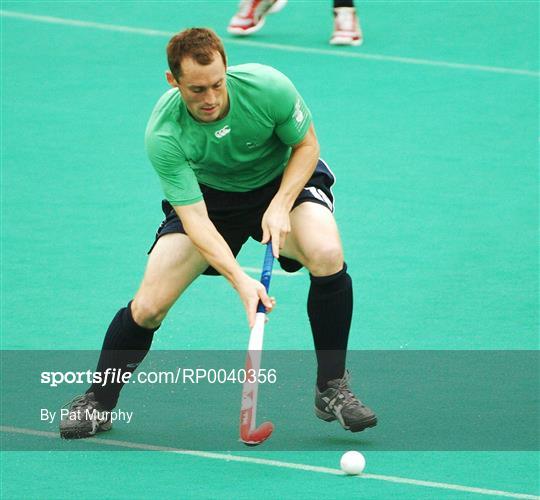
[198, 43]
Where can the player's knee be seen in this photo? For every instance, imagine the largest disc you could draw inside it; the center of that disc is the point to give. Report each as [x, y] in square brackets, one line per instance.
[147, 313]
[326, 260]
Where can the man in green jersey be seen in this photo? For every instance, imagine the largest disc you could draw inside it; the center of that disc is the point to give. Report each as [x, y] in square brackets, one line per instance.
[237, 156]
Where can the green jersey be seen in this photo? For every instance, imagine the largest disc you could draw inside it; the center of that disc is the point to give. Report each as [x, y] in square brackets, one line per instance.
[244, 150]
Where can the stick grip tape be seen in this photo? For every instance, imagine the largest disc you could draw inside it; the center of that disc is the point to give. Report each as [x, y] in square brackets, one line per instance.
[266, 272]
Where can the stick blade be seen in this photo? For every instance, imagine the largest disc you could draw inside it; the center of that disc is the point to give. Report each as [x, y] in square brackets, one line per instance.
[258, 435]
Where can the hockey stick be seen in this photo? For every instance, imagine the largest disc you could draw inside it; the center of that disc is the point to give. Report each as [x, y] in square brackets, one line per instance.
[250, 434]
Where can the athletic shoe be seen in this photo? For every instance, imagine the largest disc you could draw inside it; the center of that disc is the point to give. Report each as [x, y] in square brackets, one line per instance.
[251, 15]
[346, 27]
[338, 402]
[85, 418]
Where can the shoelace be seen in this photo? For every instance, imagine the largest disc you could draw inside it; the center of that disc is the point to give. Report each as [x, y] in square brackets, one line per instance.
[345, 394]
[78, 402]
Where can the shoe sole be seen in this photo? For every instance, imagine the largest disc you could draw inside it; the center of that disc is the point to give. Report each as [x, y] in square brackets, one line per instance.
[358, 427]
[78, 433]
[248, 31]
[346, 41]
[363, 425]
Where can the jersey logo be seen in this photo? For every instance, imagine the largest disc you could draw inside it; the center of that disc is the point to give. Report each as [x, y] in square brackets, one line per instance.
[222, 132]
[298, 115]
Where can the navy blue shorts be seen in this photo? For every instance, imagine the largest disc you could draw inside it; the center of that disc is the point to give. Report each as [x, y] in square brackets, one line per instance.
[238, 216]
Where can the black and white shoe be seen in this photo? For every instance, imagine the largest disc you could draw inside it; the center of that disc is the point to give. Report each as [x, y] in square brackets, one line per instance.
[85, 417]
[339, 403]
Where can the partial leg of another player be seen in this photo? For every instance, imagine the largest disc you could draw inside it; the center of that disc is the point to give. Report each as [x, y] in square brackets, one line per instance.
[347, 29]
[251, 17]
[314, 241]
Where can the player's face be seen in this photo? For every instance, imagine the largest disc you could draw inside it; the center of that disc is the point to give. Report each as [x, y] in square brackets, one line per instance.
[203, 89]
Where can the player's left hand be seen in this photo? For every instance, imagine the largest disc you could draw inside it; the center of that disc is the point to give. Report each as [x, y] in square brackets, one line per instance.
[276, 225]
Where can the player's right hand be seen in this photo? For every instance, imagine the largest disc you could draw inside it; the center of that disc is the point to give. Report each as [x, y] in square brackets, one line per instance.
[251, 291]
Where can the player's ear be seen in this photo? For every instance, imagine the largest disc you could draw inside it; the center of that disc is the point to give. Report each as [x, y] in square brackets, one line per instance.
[170, 79]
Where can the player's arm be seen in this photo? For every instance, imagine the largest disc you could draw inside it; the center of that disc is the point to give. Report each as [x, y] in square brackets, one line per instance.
[204, 235]
[183, 193]
[276, 221]
[293, 126]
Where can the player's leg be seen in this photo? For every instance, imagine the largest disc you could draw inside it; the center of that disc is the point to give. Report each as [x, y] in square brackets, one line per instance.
[314, 239]
[314, 242]
[347, 29]
[173, 264]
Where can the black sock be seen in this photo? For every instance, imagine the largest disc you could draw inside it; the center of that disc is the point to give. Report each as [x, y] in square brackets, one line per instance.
[330, 305]
[343, 3]
[124, 347]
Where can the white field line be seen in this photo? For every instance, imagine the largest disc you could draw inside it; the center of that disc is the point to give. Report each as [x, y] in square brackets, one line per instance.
[273, 46]
[275, 463]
